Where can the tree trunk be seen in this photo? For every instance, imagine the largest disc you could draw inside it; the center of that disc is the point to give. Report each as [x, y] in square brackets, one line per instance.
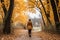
[43, 20]
[55, 14]
[57, 2]
[47, 15]
[7, 18]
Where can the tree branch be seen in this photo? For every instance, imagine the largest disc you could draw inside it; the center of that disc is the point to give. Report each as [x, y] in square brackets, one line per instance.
[4, 8]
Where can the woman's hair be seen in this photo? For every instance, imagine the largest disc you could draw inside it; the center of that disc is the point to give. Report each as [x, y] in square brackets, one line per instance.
[29, 19]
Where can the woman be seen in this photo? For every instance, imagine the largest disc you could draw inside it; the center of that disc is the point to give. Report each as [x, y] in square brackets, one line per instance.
[29, 26]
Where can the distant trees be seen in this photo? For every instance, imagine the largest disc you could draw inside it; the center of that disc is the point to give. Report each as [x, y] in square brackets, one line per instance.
[7, 16]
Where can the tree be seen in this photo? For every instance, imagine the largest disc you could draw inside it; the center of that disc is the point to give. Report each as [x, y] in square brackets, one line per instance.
[47, 14]
[54, 8]
[57, 2]
[7, 17]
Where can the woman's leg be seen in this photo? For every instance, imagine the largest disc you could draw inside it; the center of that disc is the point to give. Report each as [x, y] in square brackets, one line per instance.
[30, 33]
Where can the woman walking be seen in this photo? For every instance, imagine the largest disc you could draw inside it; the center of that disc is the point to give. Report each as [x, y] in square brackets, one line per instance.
[29, 26]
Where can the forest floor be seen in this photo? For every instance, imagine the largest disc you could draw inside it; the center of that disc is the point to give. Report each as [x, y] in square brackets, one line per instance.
[21, 34]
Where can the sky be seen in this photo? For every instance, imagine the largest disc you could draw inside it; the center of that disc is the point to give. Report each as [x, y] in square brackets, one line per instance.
[34, 15]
